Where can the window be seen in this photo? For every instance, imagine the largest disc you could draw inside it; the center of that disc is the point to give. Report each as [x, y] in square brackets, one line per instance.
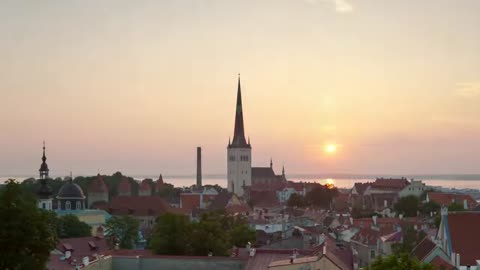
[79, 205]
[68, 206]
[44, 206]
[232, 158]
[372, 254]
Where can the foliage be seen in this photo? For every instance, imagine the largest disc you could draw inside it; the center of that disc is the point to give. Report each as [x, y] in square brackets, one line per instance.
[27, 233]
[70, 226]
[409, 206]
[455, 207]
[123, 231]
[170, 234]
[411, 238]
[321, 196]
[215, 232]
[395, 262]
[296, 200]
[430, 207]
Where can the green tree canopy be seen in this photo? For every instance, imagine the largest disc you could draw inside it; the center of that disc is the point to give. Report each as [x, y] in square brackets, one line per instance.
[411, 238]
[402, 262]
[27, 233]
[409, 206]
[123, 231]
[170, 235]
[215, 232]
[296, 200]
[69, 226]
[321, 196]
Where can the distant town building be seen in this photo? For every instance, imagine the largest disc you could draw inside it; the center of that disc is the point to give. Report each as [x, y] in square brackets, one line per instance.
[159, 184]
[445, 199]
[145, 189]
[125, 187]
[70, 197]
[97, 191]
[44, 193]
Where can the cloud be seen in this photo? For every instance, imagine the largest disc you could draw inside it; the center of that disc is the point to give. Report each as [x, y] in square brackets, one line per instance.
[468, 90]
[341, 6]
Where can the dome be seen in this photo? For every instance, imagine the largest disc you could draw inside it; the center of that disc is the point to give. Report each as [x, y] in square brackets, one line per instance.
[70, 190]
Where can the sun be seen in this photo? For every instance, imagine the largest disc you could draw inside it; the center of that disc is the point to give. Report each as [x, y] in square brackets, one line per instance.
[331, 148]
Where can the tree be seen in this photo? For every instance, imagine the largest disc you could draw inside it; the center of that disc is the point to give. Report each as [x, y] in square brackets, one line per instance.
[171, 235]
[411, 238]
[409, 206]
[122, 231]
[70, 226]
[321, 196]
[455, 207]
[208, 235]
[430, 207]
[241, 234]
[398, 263]
[27, 233]
[296, 200]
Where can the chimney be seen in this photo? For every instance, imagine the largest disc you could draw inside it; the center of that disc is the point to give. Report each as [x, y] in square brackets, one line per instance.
[401, 216]
[85, 261]
[199, 166]
[465, 204]
[444, 211]
[374, 218]
[252, 252]
[457, 261]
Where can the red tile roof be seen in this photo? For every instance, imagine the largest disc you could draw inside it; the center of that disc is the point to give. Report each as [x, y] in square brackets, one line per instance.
[425, 247]
[97, 185]
[447, 198]
[440, 263]
[189, 201]
[361, 187]
[390, 183]
[80, 247]
[464, 235]
[138, 206]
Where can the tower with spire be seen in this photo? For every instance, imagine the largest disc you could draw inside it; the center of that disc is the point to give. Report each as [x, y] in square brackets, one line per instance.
[44, 193]
[239, 153]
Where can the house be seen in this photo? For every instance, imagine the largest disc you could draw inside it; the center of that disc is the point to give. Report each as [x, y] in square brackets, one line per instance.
[72, 252]
[230, 203]
[288, 189]
[427, 251]
[197, 199]
[445, 199]
[416, 188]
[143, 208]
[125, 187]
[329, 257]
[459, 238]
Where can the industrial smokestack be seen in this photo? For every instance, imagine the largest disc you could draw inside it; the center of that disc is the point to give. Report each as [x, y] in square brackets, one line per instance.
[199, 166]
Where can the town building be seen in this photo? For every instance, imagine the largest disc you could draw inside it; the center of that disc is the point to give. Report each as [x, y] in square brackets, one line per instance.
[125, 187]
[97, 192]
[446, 199]
[459, 238]
[70, 197]
[427, 251]
[145, 188]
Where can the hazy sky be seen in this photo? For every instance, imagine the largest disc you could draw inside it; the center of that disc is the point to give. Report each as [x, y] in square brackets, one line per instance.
[137, 85]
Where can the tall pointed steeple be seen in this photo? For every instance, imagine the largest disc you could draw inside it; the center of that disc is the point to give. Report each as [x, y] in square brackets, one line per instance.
[44, 167]
[239, 140]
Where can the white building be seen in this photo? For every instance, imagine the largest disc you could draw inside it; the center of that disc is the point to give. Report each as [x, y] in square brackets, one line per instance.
[239, 154]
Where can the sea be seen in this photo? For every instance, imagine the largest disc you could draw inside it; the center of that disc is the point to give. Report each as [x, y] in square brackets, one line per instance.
[340, 181]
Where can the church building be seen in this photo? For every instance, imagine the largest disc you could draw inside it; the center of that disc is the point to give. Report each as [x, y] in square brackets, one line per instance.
[44, 193]
[240, 173]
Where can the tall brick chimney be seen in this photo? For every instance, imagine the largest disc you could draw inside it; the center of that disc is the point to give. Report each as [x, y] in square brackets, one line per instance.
[199, 166]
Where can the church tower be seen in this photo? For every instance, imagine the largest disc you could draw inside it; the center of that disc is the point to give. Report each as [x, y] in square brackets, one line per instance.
[239, 153]
[44, 194]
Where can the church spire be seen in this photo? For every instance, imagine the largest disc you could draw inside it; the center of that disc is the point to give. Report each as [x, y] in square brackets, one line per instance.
[239, 131]
[44, 167]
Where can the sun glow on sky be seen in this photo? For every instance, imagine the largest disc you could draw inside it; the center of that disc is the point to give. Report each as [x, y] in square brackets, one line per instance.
[330, 148]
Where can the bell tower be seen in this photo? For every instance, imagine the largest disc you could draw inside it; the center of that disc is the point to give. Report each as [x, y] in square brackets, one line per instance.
[239, 153]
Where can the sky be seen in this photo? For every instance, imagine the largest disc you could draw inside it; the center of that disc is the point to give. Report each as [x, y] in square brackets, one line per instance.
[136, 86]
